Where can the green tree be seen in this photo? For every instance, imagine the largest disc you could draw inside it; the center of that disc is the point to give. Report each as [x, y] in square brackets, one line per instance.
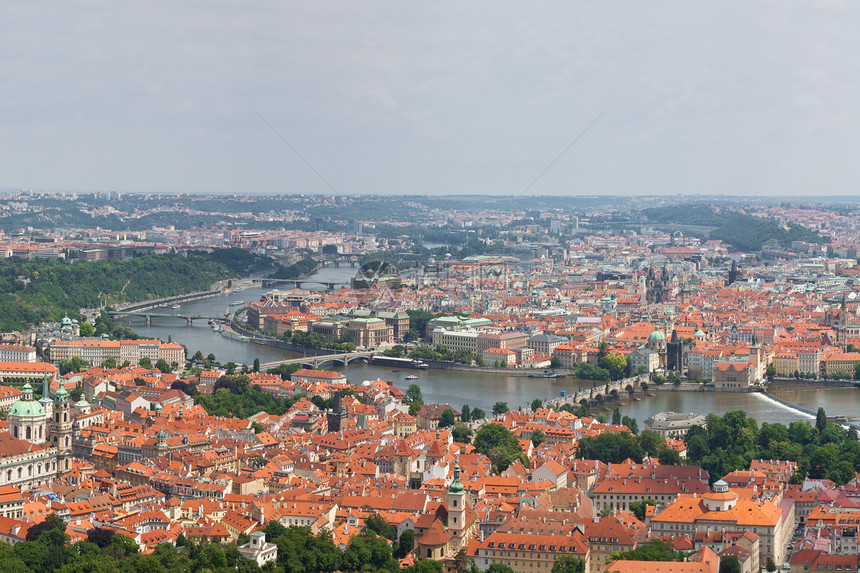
[87, 329]
[568, 564]
[536, 404]
[730, 564]
[616, 416]
[820, 419]
[611, 447]
[109, 363]
[499, 568]
[771, 566]
[378, 524]
[496, 442]
[413, 393]
[538, 437]
[256, 367]
[631, 423]
[461, 433]
[650, 441]
[406, 544]
[500, 408]
[615, 364]
[463, 356]
[162, 365]
[668, 456]
[478, 414]
[639, 507]
[145, 362]
[447, 419]
[74, 364]
[555, 362]
[465, 413]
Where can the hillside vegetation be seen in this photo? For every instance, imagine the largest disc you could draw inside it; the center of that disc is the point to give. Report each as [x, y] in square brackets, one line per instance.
[33, 291]
[742, 232]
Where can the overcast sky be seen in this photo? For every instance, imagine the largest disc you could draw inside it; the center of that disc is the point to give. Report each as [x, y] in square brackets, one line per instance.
[437, 97]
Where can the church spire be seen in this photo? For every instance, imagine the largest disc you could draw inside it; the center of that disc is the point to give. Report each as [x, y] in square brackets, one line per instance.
[45, 384]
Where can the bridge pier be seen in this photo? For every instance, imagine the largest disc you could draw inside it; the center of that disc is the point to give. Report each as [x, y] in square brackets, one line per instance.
[188, 321]
[148, 320]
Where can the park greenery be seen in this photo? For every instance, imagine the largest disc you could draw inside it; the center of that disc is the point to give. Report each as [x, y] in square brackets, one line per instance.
[234, 396]
[823, 450]
[731, 442]
[44, 290]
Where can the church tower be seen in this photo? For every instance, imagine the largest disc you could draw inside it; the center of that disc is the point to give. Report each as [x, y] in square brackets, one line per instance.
[455, 499]
[61, 428]
[45, 400]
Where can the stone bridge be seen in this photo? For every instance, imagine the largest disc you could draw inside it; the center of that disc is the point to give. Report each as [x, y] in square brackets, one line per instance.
[315, 362]
[603, 393]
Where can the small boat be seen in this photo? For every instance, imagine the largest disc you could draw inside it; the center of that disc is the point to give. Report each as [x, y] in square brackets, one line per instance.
[412, 377]
[396, 370]
[176, 306]
[546, 374]
[238, 289]
[237, 302]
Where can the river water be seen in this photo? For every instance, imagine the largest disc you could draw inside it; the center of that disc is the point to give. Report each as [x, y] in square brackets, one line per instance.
[481, 389]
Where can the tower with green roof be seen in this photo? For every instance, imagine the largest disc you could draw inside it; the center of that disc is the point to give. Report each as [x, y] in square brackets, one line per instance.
[455, 499]
[60, 428]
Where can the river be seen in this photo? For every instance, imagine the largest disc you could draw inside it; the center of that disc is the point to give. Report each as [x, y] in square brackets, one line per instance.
[482, 390]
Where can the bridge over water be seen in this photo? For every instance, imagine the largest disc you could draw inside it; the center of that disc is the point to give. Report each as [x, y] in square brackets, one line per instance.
[314, 362]
[150, 316]
[603, 393]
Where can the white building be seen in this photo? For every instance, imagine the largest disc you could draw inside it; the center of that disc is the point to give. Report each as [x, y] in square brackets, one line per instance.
[17, 353]
[258, 550]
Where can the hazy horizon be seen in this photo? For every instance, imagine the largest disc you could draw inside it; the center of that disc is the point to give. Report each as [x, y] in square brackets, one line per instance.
[733, 99]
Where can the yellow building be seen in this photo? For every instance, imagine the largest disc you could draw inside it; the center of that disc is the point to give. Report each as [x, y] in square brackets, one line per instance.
[785, 364]
[841, 362]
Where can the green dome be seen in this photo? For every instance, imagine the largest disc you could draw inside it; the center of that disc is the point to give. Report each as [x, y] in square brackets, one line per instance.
[27, 409]
[82, 403]
[456, 485]
[61, 395]
[657, 336]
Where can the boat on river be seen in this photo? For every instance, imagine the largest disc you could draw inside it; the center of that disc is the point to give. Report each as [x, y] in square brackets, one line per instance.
[546, 374]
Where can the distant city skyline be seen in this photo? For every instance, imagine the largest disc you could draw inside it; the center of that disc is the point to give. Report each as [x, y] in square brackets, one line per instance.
[732, 98]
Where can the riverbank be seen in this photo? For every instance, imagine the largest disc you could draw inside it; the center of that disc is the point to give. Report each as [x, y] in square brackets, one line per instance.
[792, 384]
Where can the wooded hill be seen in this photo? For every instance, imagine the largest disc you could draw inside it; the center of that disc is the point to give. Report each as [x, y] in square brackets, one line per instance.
[39, 290]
